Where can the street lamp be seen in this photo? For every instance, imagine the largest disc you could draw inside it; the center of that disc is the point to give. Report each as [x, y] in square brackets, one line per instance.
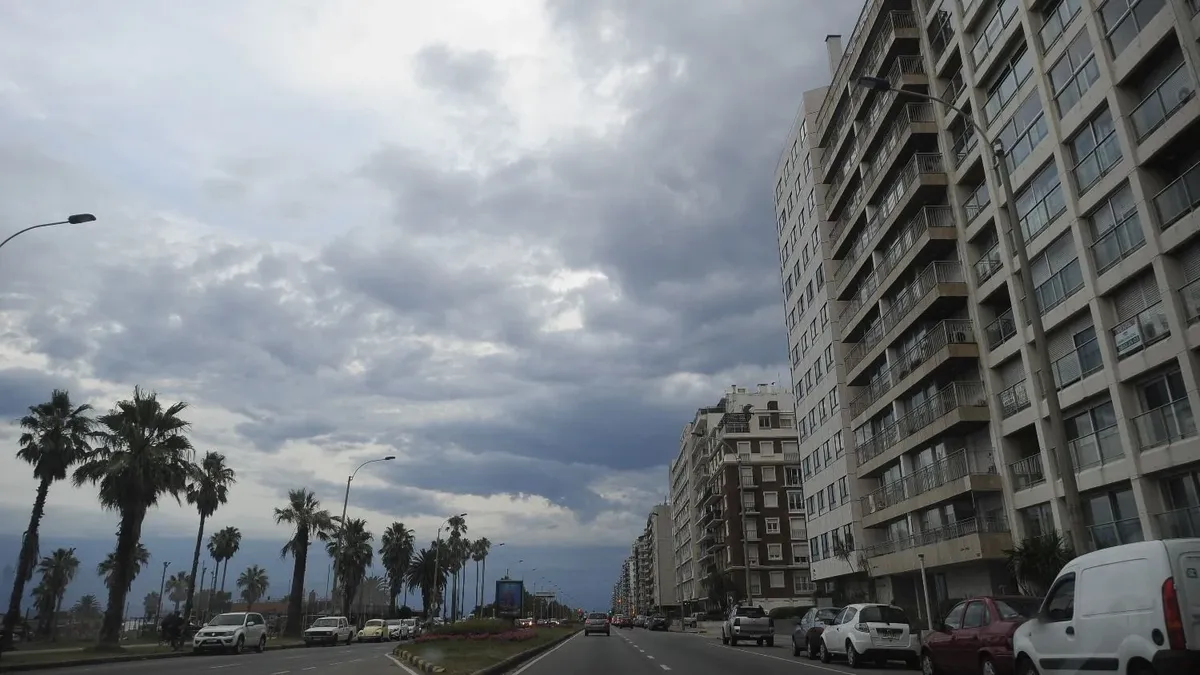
[162, 586]
[345, 504]
[76, 219]
[1044, 387]
[483, 585]
[437, 562]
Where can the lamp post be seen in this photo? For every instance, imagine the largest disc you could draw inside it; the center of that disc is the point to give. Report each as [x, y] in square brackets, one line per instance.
[483, 586]
[345, 504]
[162, 586]
[437, 562]
[76, 219]
[1044, 387]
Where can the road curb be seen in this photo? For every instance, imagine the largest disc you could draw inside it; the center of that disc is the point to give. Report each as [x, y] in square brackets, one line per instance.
[418, 662]
[104, 660]
[517, 659]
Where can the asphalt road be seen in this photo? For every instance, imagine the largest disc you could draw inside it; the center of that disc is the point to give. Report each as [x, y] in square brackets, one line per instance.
[355, 659]
[640, 652]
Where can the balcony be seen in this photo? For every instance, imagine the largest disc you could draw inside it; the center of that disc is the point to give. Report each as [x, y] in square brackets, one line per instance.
[936, 483]
[1165, 424]
[1078, 364]
[1190, 295]
[942, 279]
[955, 336]
[1013, 400]
[1096, 449]
[1141, 330]
[969, 399]
[1106, 535]
[988, 264]
[921, 169]
[967, 540]
[1028, 472]
[1179, 524]
[1179, 198]
[932, 224]
[1000, 330]
[1163, 102]
[914, 118]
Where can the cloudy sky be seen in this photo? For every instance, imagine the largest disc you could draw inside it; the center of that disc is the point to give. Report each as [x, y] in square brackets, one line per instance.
[514, 243]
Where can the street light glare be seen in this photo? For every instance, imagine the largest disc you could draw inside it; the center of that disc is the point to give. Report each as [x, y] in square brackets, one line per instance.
[80, 218]
[876, 83]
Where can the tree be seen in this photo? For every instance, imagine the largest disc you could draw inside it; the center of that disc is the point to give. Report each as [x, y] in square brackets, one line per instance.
[54, 438]
[1037, 560]
[144, 454]
[87, 607]
[177, 588]
[395, 554]
[141, 559]
[58, 571]
[223, 545]
[309, 521]
[254, 584]
[458, 527]
[479, 553]
[208, 490]
[722, 588]
[352, 554]
[150, 604]
[426, 575]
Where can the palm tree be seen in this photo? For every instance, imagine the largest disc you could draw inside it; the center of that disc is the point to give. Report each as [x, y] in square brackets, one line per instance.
[424, 575]
[395, 553]
[143, 455]
[58, 571]
[177, 588]
[1037, 560]
[141, 559]
[479, 552]
[304, 513]
[465, 547]
[54, 438]
[150, 604]
[86, 607]
[352, 555]
[458, 527]
[223, 545]
[207, 492]
[254, 584]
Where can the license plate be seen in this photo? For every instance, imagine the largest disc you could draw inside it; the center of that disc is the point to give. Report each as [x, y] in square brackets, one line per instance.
[211, 642]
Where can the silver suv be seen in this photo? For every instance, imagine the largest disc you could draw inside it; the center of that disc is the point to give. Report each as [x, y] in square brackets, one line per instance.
[596, 622]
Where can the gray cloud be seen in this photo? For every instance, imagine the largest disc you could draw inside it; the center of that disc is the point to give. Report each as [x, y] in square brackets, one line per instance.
[23, 387]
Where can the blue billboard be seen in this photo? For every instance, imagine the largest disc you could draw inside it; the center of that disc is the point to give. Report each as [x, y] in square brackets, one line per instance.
[510, 598]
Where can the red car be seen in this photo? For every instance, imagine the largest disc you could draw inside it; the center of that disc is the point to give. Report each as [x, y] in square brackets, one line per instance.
[976, 636]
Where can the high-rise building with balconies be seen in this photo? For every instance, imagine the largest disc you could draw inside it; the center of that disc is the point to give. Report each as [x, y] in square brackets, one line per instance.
[1096, 112]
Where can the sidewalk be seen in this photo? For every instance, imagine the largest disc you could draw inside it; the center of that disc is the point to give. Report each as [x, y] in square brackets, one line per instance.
[69, 650]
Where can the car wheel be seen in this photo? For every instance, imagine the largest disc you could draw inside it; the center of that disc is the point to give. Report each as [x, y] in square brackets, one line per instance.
[813, 649]
[733, 641]
[240, 645]
[927, 666]
[771, 642]
[724, 640]
[262, 644]
[1026, 667]
[586, 634]
[852, 655]
[825, 657]
[795, 647]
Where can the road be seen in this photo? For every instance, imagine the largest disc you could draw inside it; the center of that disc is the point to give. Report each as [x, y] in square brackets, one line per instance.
[640, 652]
[355, 659]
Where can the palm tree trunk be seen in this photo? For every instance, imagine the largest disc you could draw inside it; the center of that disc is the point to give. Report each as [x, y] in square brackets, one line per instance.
[191, 588]
[483, 585]
[54, 617]
[223, 573]
[295, 621]
[24, 565]
[128, 535]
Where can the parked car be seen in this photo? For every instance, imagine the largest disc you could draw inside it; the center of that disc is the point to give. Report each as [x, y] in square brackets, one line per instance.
[395, 629]
[806, 637]
[639, 621]
[747, 622]
[596, 622]
[622, 621]
[233, 632]
[870, 632]
[692, 620]
[976, 636]
[329, 630]
[374, 630]
[657, 622]
[1133, 608]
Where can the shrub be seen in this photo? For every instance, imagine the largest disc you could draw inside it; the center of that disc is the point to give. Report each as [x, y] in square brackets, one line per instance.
[473, 627]
[506, 636]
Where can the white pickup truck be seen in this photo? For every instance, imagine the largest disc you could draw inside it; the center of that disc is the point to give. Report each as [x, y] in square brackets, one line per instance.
[748, 623]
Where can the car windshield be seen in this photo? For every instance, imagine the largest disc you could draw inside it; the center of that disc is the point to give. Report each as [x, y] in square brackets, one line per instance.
[1017, 608]
[325, 623]
[395, 622]
[751, 612]
[375, 622]
[597, 615]
[228, 620]
[882, 614]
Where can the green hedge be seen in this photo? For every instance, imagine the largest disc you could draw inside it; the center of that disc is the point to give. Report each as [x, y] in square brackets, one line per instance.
[473, 627]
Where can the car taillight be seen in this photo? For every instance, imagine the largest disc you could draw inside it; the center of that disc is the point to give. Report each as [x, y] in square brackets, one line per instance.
[862, 628]
[1172, 617]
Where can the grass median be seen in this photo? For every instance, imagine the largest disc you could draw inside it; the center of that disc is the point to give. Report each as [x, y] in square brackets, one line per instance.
[24, 659]
[464, 653]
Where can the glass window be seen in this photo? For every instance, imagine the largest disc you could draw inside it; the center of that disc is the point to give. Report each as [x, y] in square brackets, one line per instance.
[1124, 19]
[777, 579]
[1116, 229]
[774, 551]
[1040, 201]
[768, 474]
[1095, 150]
[1060, 604]
[771, 501]
[1007, 82]
[1024, 130]
[955, 618]
[1056, 272]
[1074, 73]
[975, 615]
[1055, 20]
[987, 38]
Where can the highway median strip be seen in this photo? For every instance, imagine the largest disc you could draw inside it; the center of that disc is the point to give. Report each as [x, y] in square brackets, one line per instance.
[489, 652]
[31, 660]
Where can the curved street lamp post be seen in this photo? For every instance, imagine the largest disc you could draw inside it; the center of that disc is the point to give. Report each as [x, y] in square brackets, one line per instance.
[345, 504]
[76, 219]
[437, 561]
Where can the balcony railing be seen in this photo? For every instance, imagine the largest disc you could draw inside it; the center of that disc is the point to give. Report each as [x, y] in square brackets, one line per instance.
[938, 272]
[1181, 523]
[945, 470]
[927, 217]
[1013, 400]
[988, 264]
[1105, 535]
[1027, 472]
[913, 113]
[1117, 244]
[961, 528]
[1166, 98]
[998, 331]
[1081, 362]
[1097, 448]
[950, 398]
[1179, 198]
[1190, 295]
[951, 331]
[1141, 330]
[1165, 424]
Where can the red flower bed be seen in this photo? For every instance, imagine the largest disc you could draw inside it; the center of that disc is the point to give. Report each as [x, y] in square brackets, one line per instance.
[519, 635]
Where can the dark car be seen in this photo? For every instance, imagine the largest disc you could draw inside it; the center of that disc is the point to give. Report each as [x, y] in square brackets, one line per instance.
[657, 622]
[806, 637]
[976, 636]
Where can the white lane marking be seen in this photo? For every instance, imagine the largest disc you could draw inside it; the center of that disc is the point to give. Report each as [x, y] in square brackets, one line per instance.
[226, 665]
[281, 672]
[529, 665]
[309, 668]
[778, 658]
[355, 660]
[401, 665]
[664, 667]
[649, 657]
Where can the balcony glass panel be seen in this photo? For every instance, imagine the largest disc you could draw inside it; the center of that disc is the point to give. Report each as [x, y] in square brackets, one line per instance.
[1105, 535]
[1094, 449]
[956, 395]
[1165, 424]
[1013, 400]
[988, 264]
[999, 331]
[1081, 362]
[961, 528]
[1179, 198]
[1027, 472]
[1181, 523]
[1124, 19]
[902, 303]
[1168, 97]
[1138, 332]
[1190, 295]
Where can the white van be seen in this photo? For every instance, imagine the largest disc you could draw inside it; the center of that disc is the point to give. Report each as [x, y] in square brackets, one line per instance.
[1132, 609]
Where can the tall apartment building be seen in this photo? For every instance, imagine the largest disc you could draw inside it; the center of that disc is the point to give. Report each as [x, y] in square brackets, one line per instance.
[658, 541]
[689, 474]
[745, 500]
[622, 602]
[1097, 112]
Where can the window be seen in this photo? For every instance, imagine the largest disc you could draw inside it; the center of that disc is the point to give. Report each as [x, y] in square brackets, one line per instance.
[1116, 229]
[770, 500]
[791, 476]
[772, 525]
[774, 552]
[1004, 88]
[747, 475]
[768, 474]
[806, 467]
[825, 545]
[1055, 20]
[987, 38]
[1124, 19]
[843, 490]
[800, 583]
[954, 619]
[1056, 272]
[1040, 201]
[848, 537]
[764, 421]
[1060, 603]
[975, 615]
[766, 447]
[820, 501]
[829, 496]
[798, 554]
[777, 579]
[829, 357]
[743, 447]
[811, 506]
[1074, 73]
[1095, 150]
[1024, 131]
[748, 501]
[834, 402]
[813, 549]
[755, 584]
[796, 528]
